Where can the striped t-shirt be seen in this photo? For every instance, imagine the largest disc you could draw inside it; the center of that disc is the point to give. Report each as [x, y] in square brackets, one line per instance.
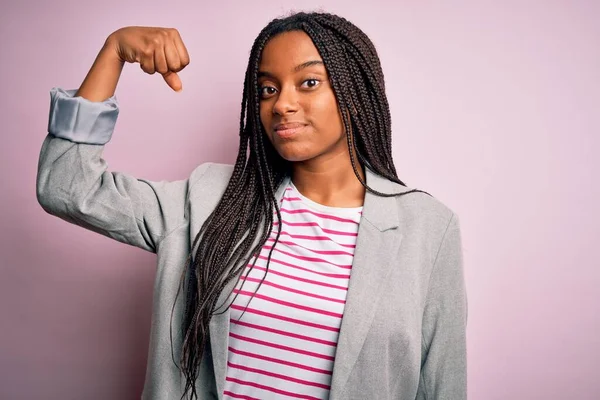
[283, 346]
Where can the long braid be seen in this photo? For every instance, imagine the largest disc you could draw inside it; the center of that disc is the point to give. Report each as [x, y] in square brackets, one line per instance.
[232, 236]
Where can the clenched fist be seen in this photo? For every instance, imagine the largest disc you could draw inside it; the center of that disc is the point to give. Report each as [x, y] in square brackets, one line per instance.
[155, 49]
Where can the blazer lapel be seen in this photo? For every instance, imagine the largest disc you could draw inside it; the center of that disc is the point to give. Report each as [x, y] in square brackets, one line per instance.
[219, 324]
[377, 244]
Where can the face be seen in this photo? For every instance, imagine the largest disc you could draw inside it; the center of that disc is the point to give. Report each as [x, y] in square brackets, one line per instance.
[298, 108]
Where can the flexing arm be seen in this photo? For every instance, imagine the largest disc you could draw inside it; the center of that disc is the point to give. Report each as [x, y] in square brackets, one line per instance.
[73, 181]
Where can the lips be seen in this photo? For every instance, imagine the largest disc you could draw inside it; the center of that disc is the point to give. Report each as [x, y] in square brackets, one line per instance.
[289, 125]
[289, 129]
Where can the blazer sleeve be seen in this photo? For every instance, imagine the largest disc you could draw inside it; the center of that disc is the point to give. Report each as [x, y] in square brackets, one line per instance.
[444, 359]
[74, 183]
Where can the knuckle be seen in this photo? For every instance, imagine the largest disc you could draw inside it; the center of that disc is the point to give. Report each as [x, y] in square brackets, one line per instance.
[174, 64]
[146, 68]
[147, 51]
[162, 69]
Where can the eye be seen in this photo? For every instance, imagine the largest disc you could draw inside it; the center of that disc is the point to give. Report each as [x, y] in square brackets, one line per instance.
[311, 83]
[267, 91]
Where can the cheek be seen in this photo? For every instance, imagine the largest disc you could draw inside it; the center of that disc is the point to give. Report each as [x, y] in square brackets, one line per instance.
[265, 117]
[324, 114]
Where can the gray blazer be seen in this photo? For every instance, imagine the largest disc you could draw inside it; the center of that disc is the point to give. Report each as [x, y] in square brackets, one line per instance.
[403, 329]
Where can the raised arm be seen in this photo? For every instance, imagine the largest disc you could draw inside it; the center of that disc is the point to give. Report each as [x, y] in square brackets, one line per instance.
[73, 181]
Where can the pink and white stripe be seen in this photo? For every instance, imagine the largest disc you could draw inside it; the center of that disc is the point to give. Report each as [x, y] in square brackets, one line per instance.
[284, 344]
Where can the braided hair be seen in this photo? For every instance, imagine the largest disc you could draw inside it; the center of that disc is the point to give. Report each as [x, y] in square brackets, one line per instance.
[243, 219]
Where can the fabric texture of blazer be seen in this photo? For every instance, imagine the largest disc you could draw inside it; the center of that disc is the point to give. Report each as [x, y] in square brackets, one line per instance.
[403, 333]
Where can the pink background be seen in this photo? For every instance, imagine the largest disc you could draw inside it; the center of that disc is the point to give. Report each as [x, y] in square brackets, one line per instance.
[495, 112]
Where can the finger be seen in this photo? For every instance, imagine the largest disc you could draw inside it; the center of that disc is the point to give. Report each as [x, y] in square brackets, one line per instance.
[173, 61]
[173, 81]
[181, 50]
[160, 61]
[147, 64]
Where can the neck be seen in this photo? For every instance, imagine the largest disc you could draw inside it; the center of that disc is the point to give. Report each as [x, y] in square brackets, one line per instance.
[330, 180]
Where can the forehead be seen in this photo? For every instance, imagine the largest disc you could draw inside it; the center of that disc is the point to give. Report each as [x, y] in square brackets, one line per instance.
[287, 50]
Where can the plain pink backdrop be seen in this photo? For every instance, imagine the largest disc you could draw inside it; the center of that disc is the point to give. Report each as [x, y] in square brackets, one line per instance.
[495, 110]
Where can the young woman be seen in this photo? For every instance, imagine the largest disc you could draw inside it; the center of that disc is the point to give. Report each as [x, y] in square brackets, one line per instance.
[306, 270]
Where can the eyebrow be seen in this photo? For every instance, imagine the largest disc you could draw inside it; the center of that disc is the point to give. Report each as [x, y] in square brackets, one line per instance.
[296, 68]
[307, 64]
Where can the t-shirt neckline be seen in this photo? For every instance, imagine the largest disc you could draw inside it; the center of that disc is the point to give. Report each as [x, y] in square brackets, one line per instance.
[322, 207]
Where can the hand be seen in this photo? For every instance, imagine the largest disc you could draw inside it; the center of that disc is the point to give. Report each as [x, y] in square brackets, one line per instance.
[156, 49]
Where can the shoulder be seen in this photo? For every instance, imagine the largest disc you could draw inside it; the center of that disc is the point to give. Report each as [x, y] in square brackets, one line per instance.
[211, 172]
[412, 207]
[210, 178]
[425, 206]
[425, 221]
[423, 214]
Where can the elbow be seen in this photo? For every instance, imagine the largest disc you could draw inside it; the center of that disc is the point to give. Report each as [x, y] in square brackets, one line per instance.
[45, 198]
[48, 197]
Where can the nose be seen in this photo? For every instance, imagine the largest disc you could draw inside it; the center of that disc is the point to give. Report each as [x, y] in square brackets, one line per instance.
[287, 102]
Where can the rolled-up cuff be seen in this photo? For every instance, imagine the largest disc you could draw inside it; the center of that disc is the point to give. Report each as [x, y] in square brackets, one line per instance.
[80, 120]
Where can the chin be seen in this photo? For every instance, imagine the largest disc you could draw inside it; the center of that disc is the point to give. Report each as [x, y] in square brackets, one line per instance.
[295, 153]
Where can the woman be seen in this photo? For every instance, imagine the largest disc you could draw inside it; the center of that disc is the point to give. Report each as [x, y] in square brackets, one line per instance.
[308, 269]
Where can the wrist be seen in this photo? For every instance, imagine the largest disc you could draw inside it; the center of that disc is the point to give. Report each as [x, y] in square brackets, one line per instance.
[110, 50]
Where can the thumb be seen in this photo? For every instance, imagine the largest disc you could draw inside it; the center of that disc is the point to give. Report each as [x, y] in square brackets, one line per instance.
[173, 81]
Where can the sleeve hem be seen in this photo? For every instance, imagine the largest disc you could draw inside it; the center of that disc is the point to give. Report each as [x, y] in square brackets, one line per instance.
[80, 120]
